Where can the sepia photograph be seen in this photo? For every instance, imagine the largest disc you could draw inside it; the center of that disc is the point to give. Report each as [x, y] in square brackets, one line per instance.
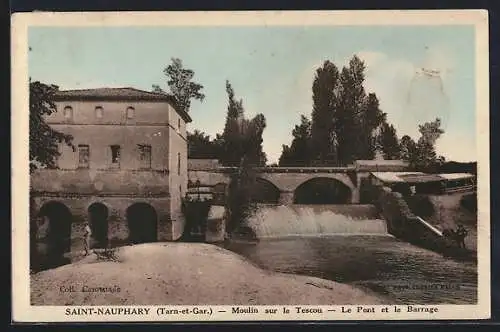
[242, 166]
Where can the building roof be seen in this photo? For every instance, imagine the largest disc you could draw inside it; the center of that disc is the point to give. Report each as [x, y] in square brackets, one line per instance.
[421, 178]
[457, 176]
[418, 177]
[381, 165]
[375, 162]
[394, 176]
[117, 94]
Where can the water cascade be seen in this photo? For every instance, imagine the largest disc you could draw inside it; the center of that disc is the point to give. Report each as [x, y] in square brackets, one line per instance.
[307, 220]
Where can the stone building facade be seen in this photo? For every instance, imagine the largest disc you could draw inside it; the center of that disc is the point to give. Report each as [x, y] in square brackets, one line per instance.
[125, 175]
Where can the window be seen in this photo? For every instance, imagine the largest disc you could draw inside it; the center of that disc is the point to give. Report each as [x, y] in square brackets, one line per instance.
[68, 112]
[145, 155]
[83, 156]
[130, 112]
[99, 112]
[115, 155]
[179, 163]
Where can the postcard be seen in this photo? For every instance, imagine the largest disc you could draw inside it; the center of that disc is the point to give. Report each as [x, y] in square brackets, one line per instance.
[250, 166]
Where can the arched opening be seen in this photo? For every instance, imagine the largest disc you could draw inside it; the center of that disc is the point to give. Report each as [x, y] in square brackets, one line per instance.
[59, 229]
[142, 220]
[98, 216]
[265, 192]
[322, 191]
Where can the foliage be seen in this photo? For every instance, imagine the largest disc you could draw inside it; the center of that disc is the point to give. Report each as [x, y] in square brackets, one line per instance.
[407, 148]
[422, 155]
[352, 99]
[325, 92]
[241, 147]
[371, 121]
[240, 192]
[388, 142]
[241, 137]
[344, 120]
[299, 152]
[232, 147]
[180, 84]
[200, 146]
[43, 140]
[421, 205]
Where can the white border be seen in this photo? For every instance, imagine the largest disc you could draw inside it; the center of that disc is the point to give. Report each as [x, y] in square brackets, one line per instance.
[24, 312]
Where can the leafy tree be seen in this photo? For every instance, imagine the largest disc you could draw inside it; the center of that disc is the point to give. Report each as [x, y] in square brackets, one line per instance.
[422, 155]
[408, 149]
[344, 119]
[370, 119]
[43, 139]
[200, 146]
[299, 152]
[253, 141]
[43, 147]
[325, 90]
[232, 144]
[388, 142]
[350, 111]
[181, 86]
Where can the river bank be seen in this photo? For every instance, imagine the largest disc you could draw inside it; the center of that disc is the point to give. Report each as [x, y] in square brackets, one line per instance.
[184, 273]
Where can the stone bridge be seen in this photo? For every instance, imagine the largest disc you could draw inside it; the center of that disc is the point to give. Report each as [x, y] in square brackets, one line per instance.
[286, 180]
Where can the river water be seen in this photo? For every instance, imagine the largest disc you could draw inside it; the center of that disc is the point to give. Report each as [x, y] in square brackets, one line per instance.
[364, 255]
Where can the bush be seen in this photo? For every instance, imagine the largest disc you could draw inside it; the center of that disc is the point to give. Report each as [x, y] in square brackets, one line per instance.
[421, 206]
[469, 202]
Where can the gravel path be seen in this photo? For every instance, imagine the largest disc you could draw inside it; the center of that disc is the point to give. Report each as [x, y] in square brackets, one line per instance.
[183, 274]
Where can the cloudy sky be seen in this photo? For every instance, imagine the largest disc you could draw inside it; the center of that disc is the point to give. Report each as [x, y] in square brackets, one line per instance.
[272, 68]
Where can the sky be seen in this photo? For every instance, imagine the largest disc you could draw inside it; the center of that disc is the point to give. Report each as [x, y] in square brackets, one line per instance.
[272, 69]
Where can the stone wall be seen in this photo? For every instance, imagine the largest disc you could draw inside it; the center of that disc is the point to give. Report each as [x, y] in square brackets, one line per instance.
[118, 230]
[402, 223]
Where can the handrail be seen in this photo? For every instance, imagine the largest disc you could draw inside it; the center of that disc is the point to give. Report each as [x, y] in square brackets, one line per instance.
[432, 228]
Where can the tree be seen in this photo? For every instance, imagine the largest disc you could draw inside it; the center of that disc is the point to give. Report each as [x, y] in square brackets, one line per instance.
[422, 155]
[43, 139]
[200, 146]
[325, 90]
[181, 86]
[232, 147]
[370, 119]
[352, 101]
[43, 146]
[253, 141]
[388, 142]
[407, 148]
[344, 119]
[299, 152]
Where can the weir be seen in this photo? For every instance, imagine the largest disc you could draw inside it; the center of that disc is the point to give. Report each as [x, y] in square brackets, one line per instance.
[272, 221]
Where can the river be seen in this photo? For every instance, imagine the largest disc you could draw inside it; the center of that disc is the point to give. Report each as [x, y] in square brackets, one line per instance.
[364, 255]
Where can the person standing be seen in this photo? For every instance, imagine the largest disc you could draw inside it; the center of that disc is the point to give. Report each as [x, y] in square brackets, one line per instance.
[461, 234]
[87, 234]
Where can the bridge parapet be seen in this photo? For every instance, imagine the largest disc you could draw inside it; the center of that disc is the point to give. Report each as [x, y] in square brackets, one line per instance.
[226, 169]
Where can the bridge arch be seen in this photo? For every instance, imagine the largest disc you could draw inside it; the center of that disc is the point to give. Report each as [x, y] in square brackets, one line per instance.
[265, 192]
[323, 190]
